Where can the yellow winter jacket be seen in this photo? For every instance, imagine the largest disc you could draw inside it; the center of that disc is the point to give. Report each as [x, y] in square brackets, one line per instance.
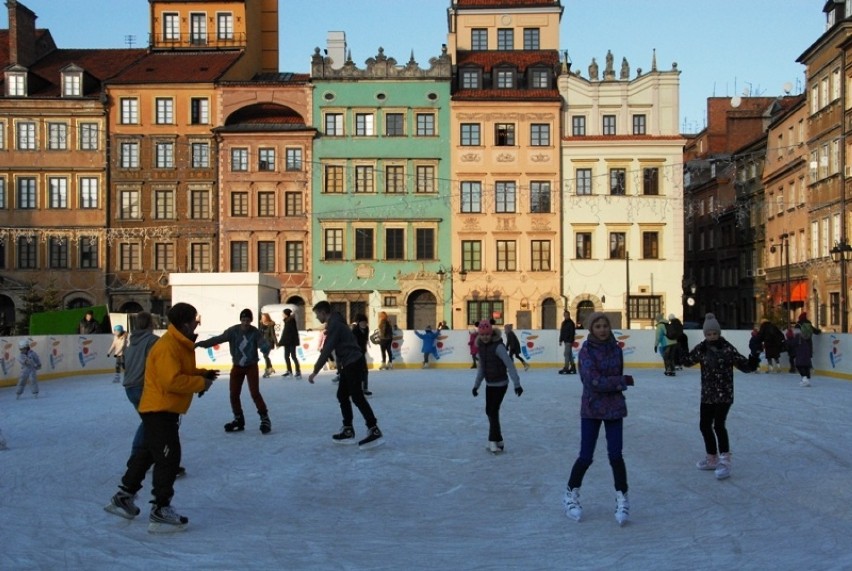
[171, 377]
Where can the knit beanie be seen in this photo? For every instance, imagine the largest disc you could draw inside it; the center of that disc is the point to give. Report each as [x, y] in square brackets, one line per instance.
[803, 316]
[592, 317]
[711, 324]
[672, 316]
[485, 327]
[247, 313]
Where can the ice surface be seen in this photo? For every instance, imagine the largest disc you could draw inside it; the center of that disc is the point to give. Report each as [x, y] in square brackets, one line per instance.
[433, 497]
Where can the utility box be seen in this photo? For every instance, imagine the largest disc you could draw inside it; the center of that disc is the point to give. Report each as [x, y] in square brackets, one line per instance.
[219, 297]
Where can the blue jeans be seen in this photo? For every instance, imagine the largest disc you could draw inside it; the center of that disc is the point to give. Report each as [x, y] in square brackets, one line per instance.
[589, 430]
[134, 395]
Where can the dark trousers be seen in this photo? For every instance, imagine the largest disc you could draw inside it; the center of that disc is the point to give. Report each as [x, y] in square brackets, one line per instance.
[517, 355]
[238, 375]
[712, 426]
[119, 363]
[669, 356]
[589, 430]
[134, 395]
[350, 391]
[161, 449]
[387, 351]
[267, 361]
[493, 401]
[290, 351]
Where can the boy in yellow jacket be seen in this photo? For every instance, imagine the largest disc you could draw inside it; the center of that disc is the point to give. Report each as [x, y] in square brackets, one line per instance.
[171, 378]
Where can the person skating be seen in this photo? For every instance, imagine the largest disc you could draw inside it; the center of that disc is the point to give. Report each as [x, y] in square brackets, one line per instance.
[513, 346]
[567, 335]
[171, 378]
[119, 344]
[665, 346]
[429, 345]
[290, 340]
[351, 364]
[30, 363]
[471, 342]
[244, 340]
[267, 329]
[361, 331]
[773, 342]
[803, 348]
[604, 382]
[717, 358]
[495, 368]
[385, 341]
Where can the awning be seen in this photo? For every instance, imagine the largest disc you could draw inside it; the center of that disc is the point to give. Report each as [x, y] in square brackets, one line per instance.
[798, 291]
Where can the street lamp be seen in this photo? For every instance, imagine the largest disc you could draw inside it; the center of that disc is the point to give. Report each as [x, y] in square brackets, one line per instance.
[842, 254]
[785, 252]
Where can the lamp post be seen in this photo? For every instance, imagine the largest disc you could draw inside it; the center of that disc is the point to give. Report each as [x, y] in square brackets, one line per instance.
[785, 253]
[842, 254]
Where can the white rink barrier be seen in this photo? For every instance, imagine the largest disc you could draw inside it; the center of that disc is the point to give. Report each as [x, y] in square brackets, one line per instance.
[71, 355]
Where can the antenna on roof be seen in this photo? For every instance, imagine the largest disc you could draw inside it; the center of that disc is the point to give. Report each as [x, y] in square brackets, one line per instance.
[129, 40]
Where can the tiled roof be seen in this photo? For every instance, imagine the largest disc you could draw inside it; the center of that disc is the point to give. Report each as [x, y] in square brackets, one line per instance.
[522, 59]
[266, 114]
[505, 3]
[40, 34]
[178, 67]
[507, 95]
[100, 64]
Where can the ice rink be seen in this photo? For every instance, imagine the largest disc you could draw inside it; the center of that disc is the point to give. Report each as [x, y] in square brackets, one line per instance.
[432, 497]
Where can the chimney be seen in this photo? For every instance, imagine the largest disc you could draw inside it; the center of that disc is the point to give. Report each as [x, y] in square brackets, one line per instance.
[337, 49]
[22, 34]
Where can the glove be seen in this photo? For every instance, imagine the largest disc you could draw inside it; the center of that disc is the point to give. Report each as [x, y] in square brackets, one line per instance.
[753, 362]
[519, 391]
[211, 375]
[655, 348]
[628, 380]
[475, 392]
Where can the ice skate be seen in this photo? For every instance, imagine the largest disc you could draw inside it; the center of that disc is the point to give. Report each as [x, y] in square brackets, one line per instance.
[425, 365]
[805, 382]
[298, 376]
[493, 448]
[165, 519]
[708, 463]
[266, 374]
[117, 378]
[345, 436]
[723, 469]
[373, 439]
[622, 508]
[382, 367]
[526, 367]
[122, 505]
[287, 374]
[571, 503]
[236, 425]
[265, 424]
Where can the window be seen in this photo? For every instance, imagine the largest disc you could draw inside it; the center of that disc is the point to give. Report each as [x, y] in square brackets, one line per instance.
[3, 255]
[2, 134]
[609, 124]
[644, 306]
[199, 257]
[72, 84]
[651, 181]
[165, 111]
[16, 84]
[471, 78]
[363, 243]
[88, 250]
[333, 244]
[334, 124]
[26, 199]
[638, 124]
[584, 245]
[164, 256]
[578, 126]
[539, 196]
[425, 179]
[224, 26]
[424, 245]
[239, 204]
[479, 39]
[394, 244]
[540, 255]
[504, 134]
[505, 39]
[129, 205]
[485, 309]
[834, 303]
[3, 194]
[198, 29]
[395, 124]
[364, 125]
[425, 124]
[540, 135]
[505, 193]
[200, 155]
[650, 246]
[129, 108]
[239, 256]
[128, 257]
[26, 135]
[505, 79]
[539, 78]
[171, 27]
[617, 245]
[295, 256]
[293, 158]
[471, 197]
[199, 111]
[57, 248]
[333, 179]
[199, 205]
[584, 182]
[617, 181]
[89, 192]
[394, 179]
[507, 256]
[164, 205]
[165, 158]
[364, 179]
[129, 155]
[27, 253]
[57, 136]
[266, 159]
[293, 204]
[472, 255]
[89, 140]
[57, 189]
[470, 135]
[532, 39]
[266, 257]
[266, 204]
[239, 160]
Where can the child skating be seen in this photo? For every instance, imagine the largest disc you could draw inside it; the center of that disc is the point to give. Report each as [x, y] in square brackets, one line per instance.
[30, 363]
[119, 344]
[430, 344]
[513, 345]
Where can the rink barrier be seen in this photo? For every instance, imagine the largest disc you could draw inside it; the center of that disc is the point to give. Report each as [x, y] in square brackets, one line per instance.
[76, 355]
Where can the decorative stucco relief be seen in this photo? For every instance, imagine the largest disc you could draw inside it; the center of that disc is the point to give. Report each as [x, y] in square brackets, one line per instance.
[470, 158]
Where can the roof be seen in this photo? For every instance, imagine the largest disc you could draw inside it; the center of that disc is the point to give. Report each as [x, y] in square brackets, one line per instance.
[43, 40]
[507, 95]
[623, 138]
[264, 117]
[100, 64]
[521, 59]
[178, 67]
[502, 4]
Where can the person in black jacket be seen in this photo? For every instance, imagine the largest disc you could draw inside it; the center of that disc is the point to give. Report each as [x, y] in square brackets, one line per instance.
[290, 340]
[513, 344]
[361, 332]
[566, 339]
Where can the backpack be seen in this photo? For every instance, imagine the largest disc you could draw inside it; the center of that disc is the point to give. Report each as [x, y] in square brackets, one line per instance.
[674, 329]
[807, 330]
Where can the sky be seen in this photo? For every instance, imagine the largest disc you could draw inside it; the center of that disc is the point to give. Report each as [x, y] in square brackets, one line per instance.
[432, 497]
[722, 48]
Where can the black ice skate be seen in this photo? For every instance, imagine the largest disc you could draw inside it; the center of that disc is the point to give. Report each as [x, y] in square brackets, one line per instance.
[236, 425]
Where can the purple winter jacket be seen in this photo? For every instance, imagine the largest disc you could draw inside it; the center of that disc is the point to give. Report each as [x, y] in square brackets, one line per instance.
[601, 365]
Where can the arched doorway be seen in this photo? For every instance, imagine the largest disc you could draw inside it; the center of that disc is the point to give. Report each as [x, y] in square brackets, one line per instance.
[422, 310]
[130, 307]
[7, 315]
[584, 309]
[548, 313]
[78, 303]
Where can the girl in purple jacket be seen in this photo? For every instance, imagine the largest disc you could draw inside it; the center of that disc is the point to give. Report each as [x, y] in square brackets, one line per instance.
[601, 365]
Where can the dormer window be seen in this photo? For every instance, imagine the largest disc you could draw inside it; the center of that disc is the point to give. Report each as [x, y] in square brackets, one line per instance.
[16, 84]
[471, 78]
[539, 78]
[504, 78]
[72, 83]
